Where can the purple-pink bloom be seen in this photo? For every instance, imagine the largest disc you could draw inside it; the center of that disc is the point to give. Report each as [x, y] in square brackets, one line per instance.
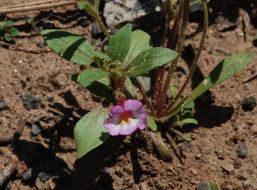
[126, 118]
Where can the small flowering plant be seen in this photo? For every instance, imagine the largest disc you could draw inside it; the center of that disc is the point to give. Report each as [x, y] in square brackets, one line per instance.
[119, 75]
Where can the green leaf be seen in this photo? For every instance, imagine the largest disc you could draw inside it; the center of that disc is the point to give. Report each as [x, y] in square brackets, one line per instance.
[13, 31]
[8, 37]
[91, 75]
[149, 59]
[89, 131]
[151, 123]
[189, 106]
[173, 91]
[186, 122]
[96, 4]
[224, 70]
[90, 9]
[69, 46]
[213, 186]
[140, 41]
[9, 23]
[119, 44]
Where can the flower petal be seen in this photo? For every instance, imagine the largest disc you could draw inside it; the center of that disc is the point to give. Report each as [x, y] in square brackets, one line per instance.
[132, 105]
[113, 129]
[116, 111]
[130, 127]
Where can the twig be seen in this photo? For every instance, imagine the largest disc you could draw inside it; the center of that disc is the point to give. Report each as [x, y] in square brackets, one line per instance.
[148, 103]
[14, 48]
[28, 4]
[36, 7]
[174, 147]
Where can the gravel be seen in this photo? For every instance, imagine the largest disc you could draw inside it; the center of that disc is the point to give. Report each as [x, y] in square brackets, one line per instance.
[248, 103]
[31, 101]
[241, 150]
[3, 105]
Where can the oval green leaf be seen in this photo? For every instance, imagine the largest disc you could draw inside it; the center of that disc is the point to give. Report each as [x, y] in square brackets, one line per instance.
[91, 75]
[69, 46]
[89, 131]
[140, 41]
[119, 44]
[149, 59]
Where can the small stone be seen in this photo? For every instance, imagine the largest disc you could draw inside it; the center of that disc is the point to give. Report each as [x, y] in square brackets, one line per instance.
[203, 186]
[50, 98]
[227, 167]
[41, 44]
[220, 155]
[83, 21]
[242, 150]
[36, 129]
[198, 156]
[237, 164]
[193, 171]
[187, 146]
[96, 31]
[3, 105]
[26, 176]
[248, 103]
[43, 177]
[47, 140]
[30, 101]
[225, 186]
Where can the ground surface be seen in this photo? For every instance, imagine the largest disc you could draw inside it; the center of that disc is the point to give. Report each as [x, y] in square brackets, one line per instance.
[223, 149]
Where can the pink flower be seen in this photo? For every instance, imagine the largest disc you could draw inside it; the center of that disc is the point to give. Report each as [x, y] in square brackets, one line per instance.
[126, 118]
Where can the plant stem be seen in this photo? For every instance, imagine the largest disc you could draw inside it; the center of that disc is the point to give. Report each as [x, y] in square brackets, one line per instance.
[179, 47]
[142, 91]
[102, 26]
[194, 64]
[158, 86]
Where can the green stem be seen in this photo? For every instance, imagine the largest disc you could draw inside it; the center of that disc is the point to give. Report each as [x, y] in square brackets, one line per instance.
[102, 26]
[194, 64]
[179, 47]
[143, 93]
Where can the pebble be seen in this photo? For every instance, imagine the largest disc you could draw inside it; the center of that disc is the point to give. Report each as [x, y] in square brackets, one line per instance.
[35, 130]
[248, 103]
[220, 155]
[43, 177]
[50, 98]
[96, 31]
[227, 167]
[41, 44]
[193, 171]
[26, 176]
[3, 105]
[241, 150]
[187, 146]
[203, 186]
[30, 101]
[198, 156]
[83, 21]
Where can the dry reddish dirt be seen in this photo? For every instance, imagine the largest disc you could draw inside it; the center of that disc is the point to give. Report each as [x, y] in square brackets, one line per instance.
[131, 162]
